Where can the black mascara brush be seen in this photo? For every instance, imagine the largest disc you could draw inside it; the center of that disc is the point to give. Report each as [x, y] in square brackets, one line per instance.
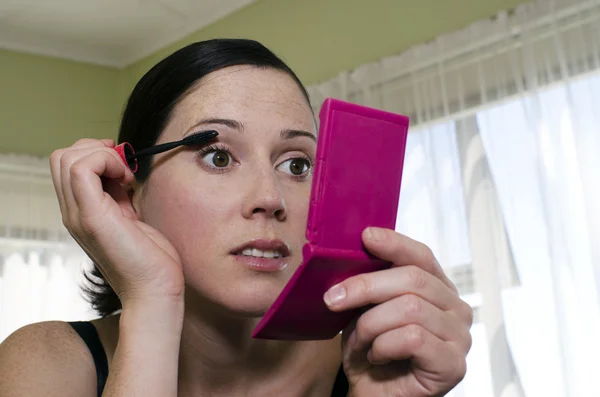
[129, 156]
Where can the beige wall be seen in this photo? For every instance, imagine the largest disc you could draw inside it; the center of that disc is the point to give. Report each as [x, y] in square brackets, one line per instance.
[45, 104]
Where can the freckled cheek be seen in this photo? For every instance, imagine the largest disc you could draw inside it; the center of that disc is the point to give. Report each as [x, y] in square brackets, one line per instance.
[192, 218]
[297, 206]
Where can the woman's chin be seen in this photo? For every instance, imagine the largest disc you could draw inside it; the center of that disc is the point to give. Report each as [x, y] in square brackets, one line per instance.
[235, 287]
[253, 304]
[247, 299]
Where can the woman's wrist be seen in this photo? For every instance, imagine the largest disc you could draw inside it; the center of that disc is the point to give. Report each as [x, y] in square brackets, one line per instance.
[147, 355]
[164, 313]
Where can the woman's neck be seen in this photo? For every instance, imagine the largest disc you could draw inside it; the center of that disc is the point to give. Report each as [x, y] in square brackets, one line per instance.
[218, 356]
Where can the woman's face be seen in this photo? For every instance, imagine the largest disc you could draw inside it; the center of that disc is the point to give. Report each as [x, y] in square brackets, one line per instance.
[236, 210]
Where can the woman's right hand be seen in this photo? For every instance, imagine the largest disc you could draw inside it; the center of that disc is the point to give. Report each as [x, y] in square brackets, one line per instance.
[91, 182]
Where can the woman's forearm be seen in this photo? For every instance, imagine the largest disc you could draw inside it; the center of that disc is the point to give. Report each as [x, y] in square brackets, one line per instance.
[147, 354]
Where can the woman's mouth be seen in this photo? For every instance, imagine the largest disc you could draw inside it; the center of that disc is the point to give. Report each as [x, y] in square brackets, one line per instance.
[256, 253]
[263, 255]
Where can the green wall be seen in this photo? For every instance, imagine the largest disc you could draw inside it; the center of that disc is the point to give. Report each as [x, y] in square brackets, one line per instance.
[46, 103]
[320, 38]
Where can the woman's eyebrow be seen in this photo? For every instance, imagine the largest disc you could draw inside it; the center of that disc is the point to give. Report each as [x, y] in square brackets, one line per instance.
[237, 125]
[233, 124]
[291, 134]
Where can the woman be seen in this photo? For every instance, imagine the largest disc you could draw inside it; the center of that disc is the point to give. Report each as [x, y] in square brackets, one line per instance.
[193, 250]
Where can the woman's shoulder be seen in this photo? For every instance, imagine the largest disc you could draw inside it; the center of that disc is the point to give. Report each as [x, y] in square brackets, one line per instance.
[47, 358]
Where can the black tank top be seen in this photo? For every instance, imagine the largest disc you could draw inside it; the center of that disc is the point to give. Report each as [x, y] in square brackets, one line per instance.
[87, 332]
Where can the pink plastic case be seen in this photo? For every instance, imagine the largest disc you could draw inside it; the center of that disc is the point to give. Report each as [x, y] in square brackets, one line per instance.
[358, 172]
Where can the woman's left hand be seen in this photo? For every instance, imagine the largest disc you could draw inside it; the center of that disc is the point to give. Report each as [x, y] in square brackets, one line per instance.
[413, 339]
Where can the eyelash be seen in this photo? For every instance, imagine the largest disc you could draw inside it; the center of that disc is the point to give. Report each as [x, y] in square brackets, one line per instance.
[214, 148]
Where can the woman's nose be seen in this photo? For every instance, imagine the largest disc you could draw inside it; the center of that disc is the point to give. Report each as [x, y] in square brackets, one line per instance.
[264, 198]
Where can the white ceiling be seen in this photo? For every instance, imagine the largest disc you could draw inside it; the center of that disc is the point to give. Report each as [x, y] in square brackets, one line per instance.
[106, 32]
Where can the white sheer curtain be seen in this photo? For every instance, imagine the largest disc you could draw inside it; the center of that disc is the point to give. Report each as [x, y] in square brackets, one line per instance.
[40, 265]
[502, 181]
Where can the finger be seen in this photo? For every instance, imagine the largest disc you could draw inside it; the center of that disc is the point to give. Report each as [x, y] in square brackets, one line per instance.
[85, 176]
[55, 168]
[57, 180]
[110, 143]
[439, 363]
[85, 143]
[402, 250]
[120, 194]
[380, 286]
[67, 159]
[405, 310]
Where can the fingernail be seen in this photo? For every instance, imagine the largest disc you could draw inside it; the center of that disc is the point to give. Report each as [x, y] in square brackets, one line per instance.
[373, 361]
[335, 295]
[370, 356]
[376, 234]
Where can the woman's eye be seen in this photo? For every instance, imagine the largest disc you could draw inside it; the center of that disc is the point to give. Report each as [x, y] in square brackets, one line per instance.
[217, 158]
[296, 166]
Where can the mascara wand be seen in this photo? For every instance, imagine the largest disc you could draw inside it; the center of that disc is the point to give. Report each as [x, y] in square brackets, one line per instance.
[129, 156]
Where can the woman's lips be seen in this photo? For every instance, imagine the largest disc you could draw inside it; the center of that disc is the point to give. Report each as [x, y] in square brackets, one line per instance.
[263, 264]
